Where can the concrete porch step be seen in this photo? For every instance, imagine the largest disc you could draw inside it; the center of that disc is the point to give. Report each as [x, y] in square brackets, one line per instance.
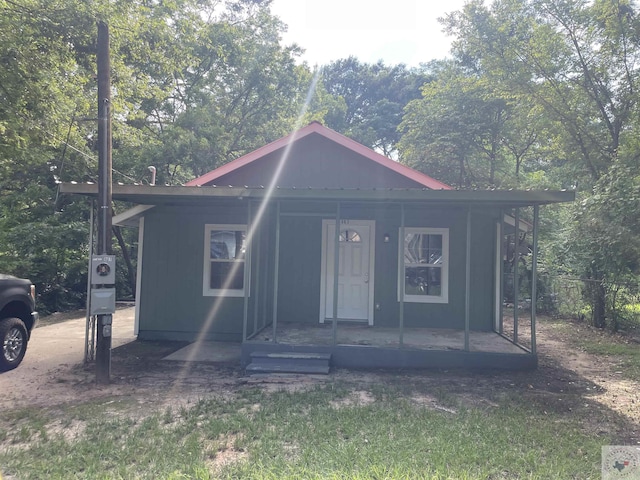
[287, 368]
[289, 362]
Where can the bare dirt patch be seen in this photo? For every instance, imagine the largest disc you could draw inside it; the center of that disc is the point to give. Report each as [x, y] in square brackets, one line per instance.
[224, 453]
[604, 383]
[357, 397]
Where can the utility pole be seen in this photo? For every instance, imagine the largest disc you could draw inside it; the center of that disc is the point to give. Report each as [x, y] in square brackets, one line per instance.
[103, 344]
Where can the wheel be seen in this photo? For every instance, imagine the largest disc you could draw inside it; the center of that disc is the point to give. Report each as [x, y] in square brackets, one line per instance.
[13, 335]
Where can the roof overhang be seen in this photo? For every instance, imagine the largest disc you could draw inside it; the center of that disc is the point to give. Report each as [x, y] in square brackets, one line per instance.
[131, 217]
[187, 195]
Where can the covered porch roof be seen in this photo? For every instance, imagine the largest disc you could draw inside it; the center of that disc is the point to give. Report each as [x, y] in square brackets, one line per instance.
[148, 196]
[189, 195]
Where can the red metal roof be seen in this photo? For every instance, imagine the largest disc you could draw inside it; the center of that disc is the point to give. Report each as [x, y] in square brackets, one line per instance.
[318, 128]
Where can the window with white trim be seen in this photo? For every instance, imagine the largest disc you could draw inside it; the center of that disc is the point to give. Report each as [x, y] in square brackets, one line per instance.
[425, 270]
[224, 260]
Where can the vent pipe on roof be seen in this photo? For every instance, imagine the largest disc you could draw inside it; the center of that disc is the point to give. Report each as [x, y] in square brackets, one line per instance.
[152, 169]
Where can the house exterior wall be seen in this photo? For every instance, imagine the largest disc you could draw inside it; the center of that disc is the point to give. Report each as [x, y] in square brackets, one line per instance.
[299, 271]
[172, 305]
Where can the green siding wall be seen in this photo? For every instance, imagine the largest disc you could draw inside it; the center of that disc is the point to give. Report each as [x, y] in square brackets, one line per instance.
[437, 315]
[172, 304]
[299, 279]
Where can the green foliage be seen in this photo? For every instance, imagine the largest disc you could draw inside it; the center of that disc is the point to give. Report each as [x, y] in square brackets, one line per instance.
[608, 222]
[568, 74]
[368, 100]
[456, 130]
[195, 83]
[606, 246]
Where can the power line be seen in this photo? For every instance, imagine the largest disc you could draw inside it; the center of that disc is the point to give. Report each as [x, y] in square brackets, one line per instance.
[84, 154]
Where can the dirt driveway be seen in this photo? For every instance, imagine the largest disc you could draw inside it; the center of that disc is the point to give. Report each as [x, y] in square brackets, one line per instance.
[52, 354]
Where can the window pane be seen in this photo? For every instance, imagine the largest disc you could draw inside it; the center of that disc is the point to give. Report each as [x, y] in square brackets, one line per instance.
[227, 275]
[349, 236]
[423, 281]
[227, 244]
[422, 248]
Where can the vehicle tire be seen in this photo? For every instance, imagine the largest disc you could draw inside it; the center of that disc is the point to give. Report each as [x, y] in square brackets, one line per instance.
[13, 343]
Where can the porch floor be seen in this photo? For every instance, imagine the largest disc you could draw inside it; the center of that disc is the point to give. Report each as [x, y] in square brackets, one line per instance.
[364, 335]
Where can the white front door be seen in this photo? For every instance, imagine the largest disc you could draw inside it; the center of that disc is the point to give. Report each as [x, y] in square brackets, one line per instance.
[355, 272]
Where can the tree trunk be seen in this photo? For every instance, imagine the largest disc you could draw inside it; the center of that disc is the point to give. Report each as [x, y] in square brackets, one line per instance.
[597, 294]
[599, 318]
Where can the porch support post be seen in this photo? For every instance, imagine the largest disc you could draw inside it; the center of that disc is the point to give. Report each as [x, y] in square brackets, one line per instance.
[501, 279]
[257, 232]
[275, 273]
[247, 268]
[336, 268]
[467, 289]
[266, 240]
[516, 286]
[402, 273]
[534, 277]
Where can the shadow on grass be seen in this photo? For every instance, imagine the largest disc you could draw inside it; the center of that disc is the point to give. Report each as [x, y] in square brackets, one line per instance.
[551, 389]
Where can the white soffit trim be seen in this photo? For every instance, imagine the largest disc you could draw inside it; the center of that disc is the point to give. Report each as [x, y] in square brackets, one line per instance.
[136, 322]
[129, 218]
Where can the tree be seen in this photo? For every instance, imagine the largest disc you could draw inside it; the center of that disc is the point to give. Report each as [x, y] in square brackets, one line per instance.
[226, 100]
[575, 60]
[195, 83]
[454, 132]
[374, 97]
[577, 63]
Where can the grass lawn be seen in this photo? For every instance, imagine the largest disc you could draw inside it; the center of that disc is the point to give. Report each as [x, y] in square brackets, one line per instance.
[158, 421]
[331, 431]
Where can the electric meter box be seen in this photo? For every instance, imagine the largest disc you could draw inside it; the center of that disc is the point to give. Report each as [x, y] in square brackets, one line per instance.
[103, 301]
[103, 270]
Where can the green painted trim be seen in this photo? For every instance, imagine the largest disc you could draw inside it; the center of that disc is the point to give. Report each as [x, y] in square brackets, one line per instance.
[336, 274]
[402, 272]
[258, 290]
[266, 244]
[276, 274]
[246, 272]
[534, 277]
[501, 279]
[516, 282]
[467, 280]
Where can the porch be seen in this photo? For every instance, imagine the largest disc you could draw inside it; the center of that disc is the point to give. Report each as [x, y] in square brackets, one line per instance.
[363, 346]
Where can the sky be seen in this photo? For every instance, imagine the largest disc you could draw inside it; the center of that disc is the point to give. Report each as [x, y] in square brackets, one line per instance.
[395, 31]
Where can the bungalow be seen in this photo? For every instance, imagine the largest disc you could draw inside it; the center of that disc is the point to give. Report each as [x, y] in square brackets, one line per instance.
[315, 246]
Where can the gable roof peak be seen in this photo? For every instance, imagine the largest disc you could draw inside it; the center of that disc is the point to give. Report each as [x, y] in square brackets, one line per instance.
[315, 127]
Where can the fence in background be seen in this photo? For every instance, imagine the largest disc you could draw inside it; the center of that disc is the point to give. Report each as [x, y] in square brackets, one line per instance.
[564, 296]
